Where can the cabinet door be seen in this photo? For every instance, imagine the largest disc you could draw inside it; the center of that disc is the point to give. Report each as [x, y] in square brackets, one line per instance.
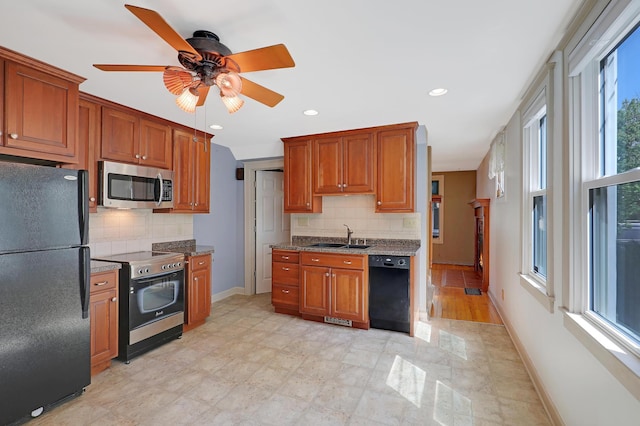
[41, 113]
[201, 175]
[120, 136]
[156, 147]
[88, 137]
[199, 294]
[358, 164]
[182, 160]
[314, 290]
[104, 327]
[327, 166]
[395, 183]
[348, 295]
[298, 196]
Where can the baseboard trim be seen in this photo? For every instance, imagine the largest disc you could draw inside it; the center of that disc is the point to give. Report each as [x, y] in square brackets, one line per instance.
[549, 406]
[227, 293]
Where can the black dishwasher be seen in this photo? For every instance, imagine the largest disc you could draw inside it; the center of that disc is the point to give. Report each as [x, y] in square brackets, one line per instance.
[389, 292]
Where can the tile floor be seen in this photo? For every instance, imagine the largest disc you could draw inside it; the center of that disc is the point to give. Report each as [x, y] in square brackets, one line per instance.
[250, 366]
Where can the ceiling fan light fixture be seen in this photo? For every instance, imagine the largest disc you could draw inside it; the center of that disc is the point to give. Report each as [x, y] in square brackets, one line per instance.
[176, 80]
[233, 103]
[188, 100]
[230, 83]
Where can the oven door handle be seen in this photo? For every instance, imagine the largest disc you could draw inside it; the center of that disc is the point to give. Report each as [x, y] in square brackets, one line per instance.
[148, 280]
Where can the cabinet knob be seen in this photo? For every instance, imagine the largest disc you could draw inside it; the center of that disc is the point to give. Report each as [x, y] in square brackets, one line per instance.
[191, 204]
[13, 135]
[137, 155]
[285, 291]
[202, 263]
[285, 257]
[326, 274]
[344, 185]
[308, 204]
[379, 203]
[144, 157]
[196, 204]
[315, 259]
[339, 186]
[347, 262]
[92, 199]
[101, 283]
[285, 269]
[113, 299]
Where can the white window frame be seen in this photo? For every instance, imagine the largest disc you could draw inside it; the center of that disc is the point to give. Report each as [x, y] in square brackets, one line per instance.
[612, 21]
[540, 101]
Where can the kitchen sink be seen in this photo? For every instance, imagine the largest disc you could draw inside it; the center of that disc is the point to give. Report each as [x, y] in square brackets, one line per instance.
[339, 245]
[355, 246]
[334, 245]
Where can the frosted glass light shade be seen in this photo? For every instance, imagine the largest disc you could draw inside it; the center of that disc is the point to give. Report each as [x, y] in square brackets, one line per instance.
[176, 80]
[188, 100]
[230, 84]
[233, 103]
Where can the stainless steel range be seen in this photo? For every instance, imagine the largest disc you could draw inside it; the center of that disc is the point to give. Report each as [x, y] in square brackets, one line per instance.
[153, 312]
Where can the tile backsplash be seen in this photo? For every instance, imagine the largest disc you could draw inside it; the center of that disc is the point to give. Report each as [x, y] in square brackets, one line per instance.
[357, 211]
[113, 231]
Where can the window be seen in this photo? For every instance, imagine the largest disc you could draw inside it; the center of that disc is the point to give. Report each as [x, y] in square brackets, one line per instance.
[614, 194]
[604, 190]
[437, 209]
[536, 203]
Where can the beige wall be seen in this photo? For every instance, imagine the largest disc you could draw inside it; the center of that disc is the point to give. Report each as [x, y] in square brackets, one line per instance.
[458, 236]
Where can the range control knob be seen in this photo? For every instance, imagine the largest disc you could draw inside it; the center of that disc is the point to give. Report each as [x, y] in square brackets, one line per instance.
[146, 270]
[140, 271]
[402, 262]
[164, 266]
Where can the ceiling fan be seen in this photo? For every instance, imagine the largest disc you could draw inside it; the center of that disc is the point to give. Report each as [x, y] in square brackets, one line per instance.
[207, 62]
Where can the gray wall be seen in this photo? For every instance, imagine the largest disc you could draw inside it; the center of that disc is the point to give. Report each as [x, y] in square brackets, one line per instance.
[223, 227]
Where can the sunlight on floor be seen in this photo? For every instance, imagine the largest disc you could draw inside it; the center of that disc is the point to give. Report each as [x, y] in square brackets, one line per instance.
[407, 379]
[453, 344]
[422, 331]
[451, 407]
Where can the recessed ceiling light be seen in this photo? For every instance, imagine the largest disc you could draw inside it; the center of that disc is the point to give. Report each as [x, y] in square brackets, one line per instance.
[216, 127]
[310, 112]
[438, 92]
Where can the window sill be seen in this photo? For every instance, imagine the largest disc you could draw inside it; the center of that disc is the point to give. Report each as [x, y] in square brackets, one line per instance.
[538, 291]
[621, 363]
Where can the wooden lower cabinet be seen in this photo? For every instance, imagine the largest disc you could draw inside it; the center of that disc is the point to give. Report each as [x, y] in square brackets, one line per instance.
[104, 319]
[198, 291]
[334, 285]
[284, 281]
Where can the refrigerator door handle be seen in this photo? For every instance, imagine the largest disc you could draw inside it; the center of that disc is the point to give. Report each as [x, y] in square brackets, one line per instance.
[83, 207]
[85, 280]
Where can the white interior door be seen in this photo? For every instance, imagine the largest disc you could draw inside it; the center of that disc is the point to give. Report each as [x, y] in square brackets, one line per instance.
[272, 224]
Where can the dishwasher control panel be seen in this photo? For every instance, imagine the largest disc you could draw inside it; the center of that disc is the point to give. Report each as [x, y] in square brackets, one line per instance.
[396, 262]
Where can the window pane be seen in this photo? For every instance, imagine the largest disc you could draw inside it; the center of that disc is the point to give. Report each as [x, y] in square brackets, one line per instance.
[620, 105]
[540, 235]
[436, 220]
[435, 187]
[615, 255]
[542, 153]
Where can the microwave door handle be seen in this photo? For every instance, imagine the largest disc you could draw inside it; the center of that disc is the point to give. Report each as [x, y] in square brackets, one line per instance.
[161, 196]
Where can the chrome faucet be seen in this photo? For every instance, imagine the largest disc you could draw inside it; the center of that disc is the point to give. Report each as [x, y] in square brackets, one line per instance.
[349, 232]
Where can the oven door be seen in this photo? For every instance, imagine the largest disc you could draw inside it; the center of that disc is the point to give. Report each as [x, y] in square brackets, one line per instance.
[155, 298]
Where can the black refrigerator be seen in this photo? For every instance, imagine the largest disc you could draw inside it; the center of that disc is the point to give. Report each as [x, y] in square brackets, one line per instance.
[44, 288]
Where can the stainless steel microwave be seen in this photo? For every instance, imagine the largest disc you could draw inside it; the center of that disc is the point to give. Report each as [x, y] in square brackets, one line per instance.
[135, 187]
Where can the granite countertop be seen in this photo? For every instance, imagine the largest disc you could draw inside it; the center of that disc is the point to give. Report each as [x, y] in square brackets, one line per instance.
[186, 247]
[100, 266]
[377, 247]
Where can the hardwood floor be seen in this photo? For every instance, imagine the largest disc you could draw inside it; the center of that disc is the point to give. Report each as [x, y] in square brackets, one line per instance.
[450, 300]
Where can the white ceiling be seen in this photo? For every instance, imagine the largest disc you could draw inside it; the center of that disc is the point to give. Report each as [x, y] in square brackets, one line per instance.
[360, 63]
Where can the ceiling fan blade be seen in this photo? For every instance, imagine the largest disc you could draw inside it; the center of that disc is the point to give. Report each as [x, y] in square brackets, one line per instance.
[265, 58]
[260, 93]
[154, 21]
[203, 91]
[117, 67]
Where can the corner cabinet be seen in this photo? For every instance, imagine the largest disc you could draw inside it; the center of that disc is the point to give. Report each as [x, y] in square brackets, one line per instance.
[198, 291]
[298, 189]
[104, 319]
[334, 286]
[132, 138]
[39, 109]
[88, 139]
[192, 169]
[396, 165]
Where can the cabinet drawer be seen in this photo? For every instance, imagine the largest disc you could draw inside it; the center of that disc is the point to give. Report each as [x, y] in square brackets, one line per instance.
[287, 256]
[285, 295]
[334, 260]
[102, 281]
[285, 273]
[200, 262]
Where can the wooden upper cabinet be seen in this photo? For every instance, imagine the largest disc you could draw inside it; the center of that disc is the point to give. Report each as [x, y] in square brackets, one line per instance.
[88, 139]
[130, 138]
[396, 169]
[192, 169]
[343, 164]
[298, 190]
[40, 110]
